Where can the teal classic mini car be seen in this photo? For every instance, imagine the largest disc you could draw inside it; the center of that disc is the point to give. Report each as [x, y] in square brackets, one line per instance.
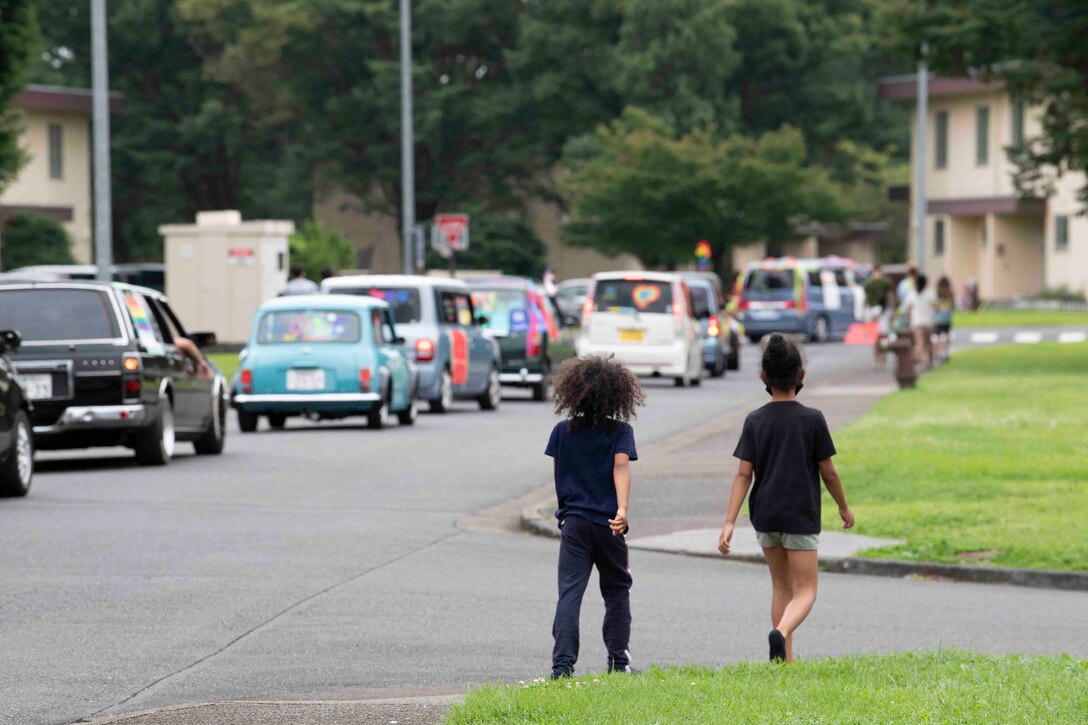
[324, 357]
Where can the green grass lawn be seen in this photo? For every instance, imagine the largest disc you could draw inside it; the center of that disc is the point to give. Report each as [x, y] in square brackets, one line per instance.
[1018, 318]
[986, 462]
[226, 361]
[946, 687]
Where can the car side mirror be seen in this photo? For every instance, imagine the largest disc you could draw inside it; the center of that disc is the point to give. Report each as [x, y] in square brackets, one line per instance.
[399, 341]
[10, 340]
[203, 339]
[482, 320]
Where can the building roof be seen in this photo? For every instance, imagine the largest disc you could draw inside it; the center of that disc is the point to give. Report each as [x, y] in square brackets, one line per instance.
[60, 98]
[905, 87]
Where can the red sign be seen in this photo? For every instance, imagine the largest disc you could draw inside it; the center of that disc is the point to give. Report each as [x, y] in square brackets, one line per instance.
[454, 230]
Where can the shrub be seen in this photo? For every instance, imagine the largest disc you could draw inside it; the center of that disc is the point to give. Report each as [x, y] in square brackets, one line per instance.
[29, 239]
[317, 248]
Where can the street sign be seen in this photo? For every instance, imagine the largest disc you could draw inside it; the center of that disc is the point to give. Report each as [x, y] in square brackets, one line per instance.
[454, 230]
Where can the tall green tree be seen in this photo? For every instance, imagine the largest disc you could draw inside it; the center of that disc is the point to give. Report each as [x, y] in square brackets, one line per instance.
[638, 187]
[1038, 49]
[17, 36]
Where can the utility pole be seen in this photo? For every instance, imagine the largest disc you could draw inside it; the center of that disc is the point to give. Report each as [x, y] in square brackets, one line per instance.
[920, 159]
[407, 151]
[100, 90]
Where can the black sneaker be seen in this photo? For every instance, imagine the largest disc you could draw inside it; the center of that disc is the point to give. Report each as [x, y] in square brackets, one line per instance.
[560, 674]
[778, 646]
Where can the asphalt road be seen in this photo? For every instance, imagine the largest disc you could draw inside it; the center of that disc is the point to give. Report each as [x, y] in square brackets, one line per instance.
[325, 561]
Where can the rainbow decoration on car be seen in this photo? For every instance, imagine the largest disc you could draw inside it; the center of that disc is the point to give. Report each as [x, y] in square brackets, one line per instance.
[139, 317]
[645, 295]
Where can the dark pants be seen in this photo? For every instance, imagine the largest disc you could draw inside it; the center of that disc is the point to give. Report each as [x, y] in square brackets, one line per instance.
[585, 544]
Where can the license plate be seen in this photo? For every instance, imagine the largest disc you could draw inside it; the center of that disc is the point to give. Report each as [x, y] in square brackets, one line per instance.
[305, 380]
[632, 335]
[37, 387]
[765, 314]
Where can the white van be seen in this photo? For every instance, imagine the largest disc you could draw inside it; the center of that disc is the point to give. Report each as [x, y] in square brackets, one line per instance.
[646, 320]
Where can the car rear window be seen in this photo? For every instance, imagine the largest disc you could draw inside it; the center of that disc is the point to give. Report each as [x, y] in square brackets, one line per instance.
[506, 310]
[769, 280]
[632, 294]
[310, 326]
[405, 301]
[47, 314]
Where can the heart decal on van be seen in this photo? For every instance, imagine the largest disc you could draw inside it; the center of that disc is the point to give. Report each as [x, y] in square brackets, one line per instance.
[645, 295]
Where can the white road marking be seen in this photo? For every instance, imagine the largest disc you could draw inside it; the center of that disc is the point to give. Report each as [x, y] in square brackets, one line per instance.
[983, 338]
[1073, 337]
[1027, 338]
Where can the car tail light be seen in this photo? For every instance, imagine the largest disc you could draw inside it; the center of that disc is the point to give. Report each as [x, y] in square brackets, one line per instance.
[247, 380]
[424, 350]
[714, 327]
[534, 340]
[743, 304]
[131, 367]
[789, 305]
[364, 380]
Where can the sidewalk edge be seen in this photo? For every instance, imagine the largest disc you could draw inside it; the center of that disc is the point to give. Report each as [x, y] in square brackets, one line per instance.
[533, 522]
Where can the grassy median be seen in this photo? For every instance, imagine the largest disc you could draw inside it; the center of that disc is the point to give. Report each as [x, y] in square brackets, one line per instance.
[983, 463]
[227, 362]
[1018, 318]
[945, 687]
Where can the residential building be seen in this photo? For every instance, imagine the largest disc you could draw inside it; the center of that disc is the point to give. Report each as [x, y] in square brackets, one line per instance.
[56, 181]
[978, 226]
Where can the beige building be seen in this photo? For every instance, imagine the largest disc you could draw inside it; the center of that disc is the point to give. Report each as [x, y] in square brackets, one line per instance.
[978, 226]
[376, 236]
[56, 181]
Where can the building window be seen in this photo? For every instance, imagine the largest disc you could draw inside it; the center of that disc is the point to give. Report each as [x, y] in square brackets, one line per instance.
[1018, 125]
[982, 135]
[940, 158]
[1061, 233]
[56, 151]
[938, 237]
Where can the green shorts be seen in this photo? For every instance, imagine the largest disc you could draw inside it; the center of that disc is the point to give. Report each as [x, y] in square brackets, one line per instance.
[796, 542]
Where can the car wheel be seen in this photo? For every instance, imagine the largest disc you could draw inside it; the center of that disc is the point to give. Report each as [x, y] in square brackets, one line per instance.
[445, 394]
[821, 330]
[215, 436]
[247, 421]
[542, 390]
[682, 381]
[378, 416]
[718, 369]
[492, 397]
[18, 470]
[155, 446]
[277, 420]
[733, 362]
[409, 415]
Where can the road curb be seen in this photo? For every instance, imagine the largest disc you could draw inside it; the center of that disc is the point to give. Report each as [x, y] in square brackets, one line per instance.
[532, 521]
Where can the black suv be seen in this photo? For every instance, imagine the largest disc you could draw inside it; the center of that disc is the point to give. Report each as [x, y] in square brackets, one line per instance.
[16, 442]
[102, 365]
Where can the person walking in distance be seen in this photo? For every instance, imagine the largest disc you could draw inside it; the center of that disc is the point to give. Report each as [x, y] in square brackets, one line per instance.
[946, 305]
[300, 284]
[593, 448]
[922, 307]
[785, 448]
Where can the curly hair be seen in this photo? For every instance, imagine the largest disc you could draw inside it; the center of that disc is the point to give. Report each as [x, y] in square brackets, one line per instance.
[782, 362]
[596, 391]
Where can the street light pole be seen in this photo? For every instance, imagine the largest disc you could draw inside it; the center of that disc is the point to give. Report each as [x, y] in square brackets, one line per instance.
[103, 211]
[920, 158]
[407, 155]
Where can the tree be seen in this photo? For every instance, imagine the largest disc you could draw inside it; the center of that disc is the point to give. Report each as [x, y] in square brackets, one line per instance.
[319, 249]
[17, 34]
[1038, 50]
[637, 187]
[28, 239]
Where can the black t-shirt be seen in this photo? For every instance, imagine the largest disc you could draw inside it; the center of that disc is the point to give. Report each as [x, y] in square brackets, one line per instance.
[785, 443]
[584, 459]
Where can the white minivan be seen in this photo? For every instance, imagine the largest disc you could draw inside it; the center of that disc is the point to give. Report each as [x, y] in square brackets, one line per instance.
[646, 320]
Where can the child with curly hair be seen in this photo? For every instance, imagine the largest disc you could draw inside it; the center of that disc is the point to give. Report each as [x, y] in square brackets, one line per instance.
[786, 447]
[593, 449]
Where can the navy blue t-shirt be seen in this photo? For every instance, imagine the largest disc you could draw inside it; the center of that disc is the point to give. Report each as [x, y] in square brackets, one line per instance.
[584, 459]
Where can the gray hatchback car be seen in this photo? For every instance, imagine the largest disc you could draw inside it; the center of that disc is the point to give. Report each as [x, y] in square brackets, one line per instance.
[444, 337]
